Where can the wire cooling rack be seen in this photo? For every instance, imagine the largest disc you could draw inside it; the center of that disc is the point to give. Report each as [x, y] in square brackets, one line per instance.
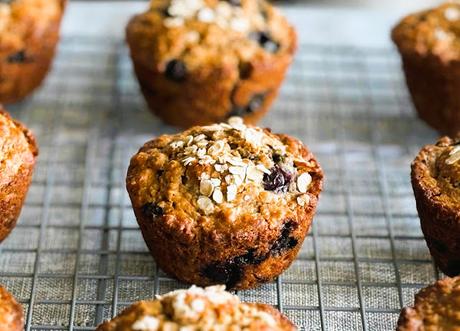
[77, 256]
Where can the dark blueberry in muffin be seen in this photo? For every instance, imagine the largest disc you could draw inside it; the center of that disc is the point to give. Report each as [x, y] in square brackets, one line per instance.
[285, 241]
[152, 210]
[19, 57]
[234, 2]
[278, 180]
[176, 70]
[278, 158]
[254, 104]
[265, 41]
[228, 273]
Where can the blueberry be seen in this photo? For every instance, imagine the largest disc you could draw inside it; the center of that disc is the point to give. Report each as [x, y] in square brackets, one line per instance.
[265, 41]
[285, 241]
[176, 70]
[278, 158]
[254, 105]
[278, 180]
[152, 210]
[19, 57]
[224, 273]
[245, 70]
[231, 271]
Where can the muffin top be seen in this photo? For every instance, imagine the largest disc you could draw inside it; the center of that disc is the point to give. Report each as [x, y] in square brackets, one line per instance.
[437, 307]
[17, 148]
[437, 170]
[177, 36]
[435, 31]
[19, 18]
[201, 309]
[11, 314]
[224, 175]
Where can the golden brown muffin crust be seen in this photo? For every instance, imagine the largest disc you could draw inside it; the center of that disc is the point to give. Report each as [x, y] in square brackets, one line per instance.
[198, 309]
[436, 183]
[18, 151]
[438, 170]
[209, 33]
[435, 31]
[11, 313]
[437, 308]
[227, 203]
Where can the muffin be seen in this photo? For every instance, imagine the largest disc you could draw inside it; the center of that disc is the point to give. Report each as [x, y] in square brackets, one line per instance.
[429, 43]
[11, 313]
[224, 204]
[207, 309]
[18, 151]
[29, 32]
[202, 61]
[437, 307]
[436, 184]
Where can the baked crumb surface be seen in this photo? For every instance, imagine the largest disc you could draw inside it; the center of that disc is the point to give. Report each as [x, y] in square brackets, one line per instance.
[435, 31]
[436, 308]
[207, 309]
[209, 33]
[230, 170]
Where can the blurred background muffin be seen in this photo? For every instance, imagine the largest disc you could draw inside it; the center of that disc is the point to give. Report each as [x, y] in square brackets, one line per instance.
[202, 61]
[29, 32]
[429, 43]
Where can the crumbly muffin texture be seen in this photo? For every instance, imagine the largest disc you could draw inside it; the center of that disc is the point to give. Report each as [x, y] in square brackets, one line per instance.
[436, 183]
[437, 307]
[11, 313]
[226, 170]
[199, 309]
[203, 61]
[18, 152]
[186, 35]
[15, 148]
[226, 203]
[435, 31]
[447, 174]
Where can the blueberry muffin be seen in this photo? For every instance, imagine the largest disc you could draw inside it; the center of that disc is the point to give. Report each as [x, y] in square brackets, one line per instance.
[202, 61]
[437, 308]
[11, 313]
[436, 184]
[18, 151]
[207, 309]
[224, 204]
[29, 32]
[429, 43]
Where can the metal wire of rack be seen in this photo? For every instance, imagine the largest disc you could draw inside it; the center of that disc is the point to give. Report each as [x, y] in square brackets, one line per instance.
[77, 256]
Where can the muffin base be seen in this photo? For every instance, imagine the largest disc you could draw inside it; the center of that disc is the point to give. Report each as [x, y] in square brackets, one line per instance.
[12, 196]
[210, 96]
[20, 78]
[434, 87]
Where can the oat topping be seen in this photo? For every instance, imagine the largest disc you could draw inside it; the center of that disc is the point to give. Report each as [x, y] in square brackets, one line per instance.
[452, 14]
[223, 14]
[224, 147]
[146, 323]
[203, 309]
[454, 155]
